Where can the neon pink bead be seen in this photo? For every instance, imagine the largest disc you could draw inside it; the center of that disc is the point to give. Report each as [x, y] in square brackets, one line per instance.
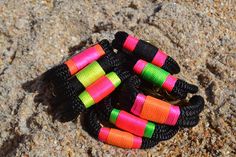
[138, 104]
[173, 115]
[139, 66]
[137, 142]
[130, 43]
[159, 58]
[103, 134]
[100, 89]
[131, 123]
[169, 83]
[85, 57]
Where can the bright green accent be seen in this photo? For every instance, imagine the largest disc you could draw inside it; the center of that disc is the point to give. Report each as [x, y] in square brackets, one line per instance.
[86, 99]
[90, 74]
[113, 116]
[149, 130]
[112, 76]
[154, 74]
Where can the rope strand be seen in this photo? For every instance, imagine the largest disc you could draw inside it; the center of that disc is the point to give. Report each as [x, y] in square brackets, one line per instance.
[185, 116]
[146, 51]
[87, 76]
[71, 107]
[61, 73]
[93, 127]
[133, 124]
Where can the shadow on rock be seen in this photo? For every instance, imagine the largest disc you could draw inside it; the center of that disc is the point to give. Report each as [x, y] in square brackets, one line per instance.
[8, 148]
[44, 91]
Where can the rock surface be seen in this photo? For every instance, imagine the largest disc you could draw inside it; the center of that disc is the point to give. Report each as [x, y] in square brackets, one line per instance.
[36, 35]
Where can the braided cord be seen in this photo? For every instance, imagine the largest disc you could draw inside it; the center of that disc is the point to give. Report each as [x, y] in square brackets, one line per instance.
[157, 110]
[146, 51]
[133, 124]
[113, 136]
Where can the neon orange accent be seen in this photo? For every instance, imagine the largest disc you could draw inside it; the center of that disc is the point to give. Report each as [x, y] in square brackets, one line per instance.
[155, 110]
[120, 138]
[72, 66]
[103, 134]
[99, 49]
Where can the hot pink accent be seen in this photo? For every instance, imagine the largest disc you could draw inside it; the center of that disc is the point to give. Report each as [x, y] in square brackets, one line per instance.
[159, 58]
[131, 123]
[130, 43]
[173, 115]
[103, 134]
[137, 142]
[138, 104]
[139, 66]
[85, 57]
[100, 89]
[169, 83]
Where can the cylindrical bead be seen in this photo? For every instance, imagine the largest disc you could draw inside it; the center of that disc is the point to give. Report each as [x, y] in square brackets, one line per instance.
[119, 138]
[90, 74]
[80, 60]
[100, 89]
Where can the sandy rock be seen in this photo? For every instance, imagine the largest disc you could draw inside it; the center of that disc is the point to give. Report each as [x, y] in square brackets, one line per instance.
[36, 35]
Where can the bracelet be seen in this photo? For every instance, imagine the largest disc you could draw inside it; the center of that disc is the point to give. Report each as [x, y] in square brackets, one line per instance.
[62, 72]
[146, 51]
[155, 110]
[94, 93]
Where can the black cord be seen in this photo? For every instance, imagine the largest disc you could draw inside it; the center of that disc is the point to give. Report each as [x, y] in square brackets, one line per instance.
[189, 114]
[70, 108]
[60, 73]
[73, 86]
[161, 132]
[181, 88]
[92, 126]
[146, 51]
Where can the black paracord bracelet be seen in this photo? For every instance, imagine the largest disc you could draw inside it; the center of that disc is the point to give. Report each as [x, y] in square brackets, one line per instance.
[94, 93]
[59, 74]
[158, 77]
[87, 76]
[145, 51]
[114, 136]
[156, 110]
[133, 124]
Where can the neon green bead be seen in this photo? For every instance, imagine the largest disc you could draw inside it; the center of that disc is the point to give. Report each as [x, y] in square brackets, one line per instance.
[86, 99]
[149, 130]
[154, 74]
[90, 74]
[113, 116]
[112, 76]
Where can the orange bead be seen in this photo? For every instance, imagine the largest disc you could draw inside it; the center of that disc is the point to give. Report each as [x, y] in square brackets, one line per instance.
[120, 138]
[155, 110]
[99, 50]
[72, 66]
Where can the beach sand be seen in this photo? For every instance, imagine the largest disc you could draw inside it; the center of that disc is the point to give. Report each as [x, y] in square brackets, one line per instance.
[36, 35]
